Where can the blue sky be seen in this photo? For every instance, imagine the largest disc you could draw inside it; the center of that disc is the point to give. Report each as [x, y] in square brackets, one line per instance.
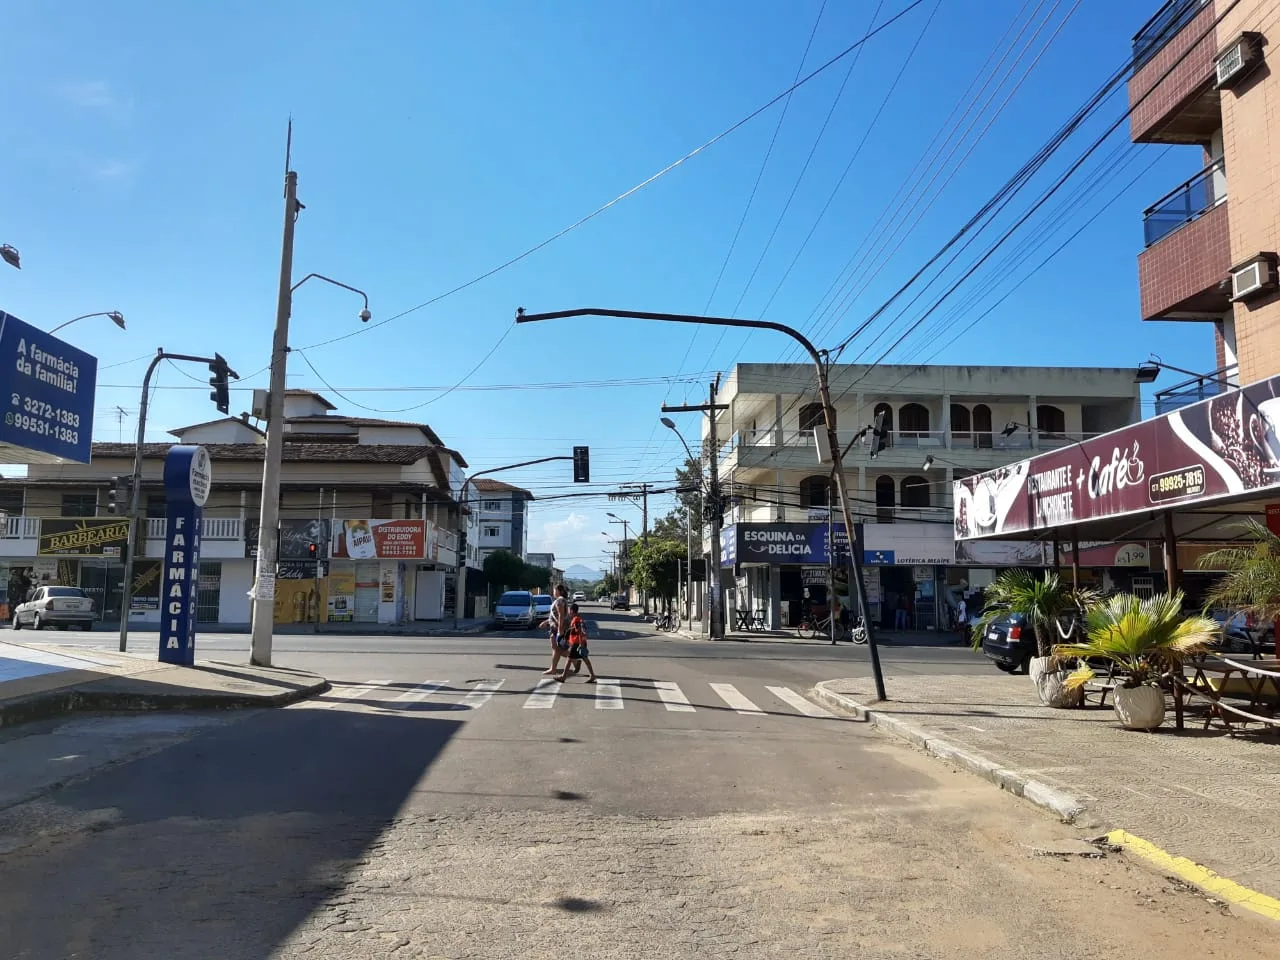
[434, 141]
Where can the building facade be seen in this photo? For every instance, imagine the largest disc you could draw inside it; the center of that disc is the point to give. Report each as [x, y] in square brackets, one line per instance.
[368, 519]
[942, 423]
[1200, 79]
[498, 520]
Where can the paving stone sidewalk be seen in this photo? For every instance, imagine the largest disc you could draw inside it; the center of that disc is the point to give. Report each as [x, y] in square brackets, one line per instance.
[1200, 794]
[40, 680]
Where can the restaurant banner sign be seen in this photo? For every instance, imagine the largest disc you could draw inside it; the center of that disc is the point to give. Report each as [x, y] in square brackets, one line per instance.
[379, 539]
[1220, 447]
[60, 537]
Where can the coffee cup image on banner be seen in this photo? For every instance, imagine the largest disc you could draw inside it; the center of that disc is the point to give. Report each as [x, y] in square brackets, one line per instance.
[983, 502]
[1236, 435]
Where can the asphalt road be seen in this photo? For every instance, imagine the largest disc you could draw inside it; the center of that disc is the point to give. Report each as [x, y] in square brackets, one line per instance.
[444, 800]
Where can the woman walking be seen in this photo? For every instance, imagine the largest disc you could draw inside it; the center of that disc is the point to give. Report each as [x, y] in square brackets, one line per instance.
[557, 623]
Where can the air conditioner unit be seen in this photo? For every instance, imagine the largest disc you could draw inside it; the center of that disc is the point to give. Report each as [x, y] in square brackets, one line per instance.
[1253, 277]
[1238, 60]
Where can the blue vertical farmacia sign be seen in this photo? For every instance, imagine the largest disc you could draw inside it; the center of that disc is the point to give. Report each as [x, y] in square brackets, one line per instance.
[187, 479]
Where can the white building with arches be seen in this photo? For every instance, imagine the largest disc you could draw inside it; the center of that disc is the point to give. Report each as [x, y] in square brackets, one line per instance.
[941, 423]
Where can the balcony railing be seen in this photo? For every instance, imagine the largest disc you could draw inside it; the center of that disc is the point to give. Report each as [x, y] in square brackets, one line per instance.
[21, 528]
[214, 528]
[1185, 203]
[1194, 390]
[989, 440]
[1162, 28]
[446, 539]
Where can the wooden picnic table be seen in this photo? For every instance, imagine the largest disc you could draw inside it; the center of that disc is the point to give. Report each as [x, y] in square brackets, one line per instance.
[1261, 681]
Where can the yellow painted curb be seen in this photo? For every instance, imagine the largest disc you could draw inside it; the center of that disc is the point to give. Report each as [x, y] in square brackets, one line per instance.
[1226, 890]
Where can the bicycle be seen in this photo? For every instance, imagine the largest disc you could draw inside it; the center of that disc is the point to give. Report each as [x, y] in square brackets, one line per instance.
[665, 622]
[809, 628]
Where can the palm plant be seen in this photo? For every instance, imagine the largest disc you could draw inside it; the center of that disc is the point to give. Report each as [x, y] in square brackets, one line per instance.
[1047, 602]
[1252, 583]
[1144, 638]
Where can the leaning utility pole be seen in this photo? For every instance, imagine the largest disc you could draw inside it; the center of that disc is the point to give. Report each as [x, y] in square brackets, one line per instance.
[712, 505]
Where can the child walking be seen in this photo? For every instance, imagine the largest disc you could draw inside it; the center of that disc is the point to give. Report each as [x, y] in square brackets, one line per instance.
[578, 653]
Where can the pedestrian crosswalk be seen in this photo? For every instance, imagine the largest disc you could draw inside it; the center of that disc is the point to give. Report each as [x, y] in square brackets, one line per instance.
[547, 693]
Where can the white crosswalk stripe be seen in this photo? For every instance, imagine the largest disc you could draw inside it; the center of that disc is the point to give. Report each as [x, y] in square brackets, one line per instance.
[544, 694]
[357, 690]
[481, 693]
[673, 697]
[791, 698]
[736, 699]
[608, 695]
[419, 693]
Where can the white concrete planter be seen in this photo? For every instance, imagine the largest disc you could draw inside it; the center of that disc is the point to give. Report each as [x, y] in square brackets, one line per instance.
[1139, 708]
[1051, 685]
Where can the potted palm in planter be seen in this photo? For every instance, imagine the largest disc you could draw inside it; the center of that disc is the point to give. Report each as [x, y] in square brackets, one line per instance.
[1053, 609]
[1147, 639]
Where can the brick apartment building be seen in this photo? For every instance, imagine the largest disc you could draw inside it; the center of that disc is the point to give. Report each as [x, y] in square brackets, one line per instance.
[1202, 78]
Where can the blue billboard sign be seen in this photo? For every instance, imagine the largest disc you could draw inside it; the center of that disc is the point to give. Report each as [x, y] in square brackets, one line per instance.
[48, 392]
[187, 479]
[879, 558]
[807, 544]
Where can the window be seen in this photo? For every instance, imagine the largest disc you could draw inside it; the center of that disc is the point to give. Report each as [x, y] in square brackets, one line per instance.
[982, 426]
[157, 508]
[491, 506]
[815, 492]
[913, 420]
[915, 492]
[811, 416]
[79, 504]
[961, 423]
[888, 421]
[885, 497]
[491, 531]
[1050, 421]
[11, 503]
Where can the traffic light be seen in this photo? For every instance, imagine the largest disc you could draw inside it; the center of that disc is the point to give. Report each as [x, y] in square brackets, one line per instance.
[220, 395]
[313, 550]
[118, 496]
[581, 464]
[879, 436]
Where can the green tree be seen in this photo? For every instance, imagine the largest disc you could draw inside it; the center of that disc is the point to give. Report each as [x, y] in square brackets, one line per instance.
[532, 576]
[1047, 602]
[609, 584]
[503, 569]
[1252, 583]
[655, 566]
[688, 509]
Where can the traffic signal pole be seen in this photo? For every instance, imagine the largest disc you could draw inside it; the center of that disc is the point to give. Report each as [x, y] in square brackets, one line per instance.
[219, 368]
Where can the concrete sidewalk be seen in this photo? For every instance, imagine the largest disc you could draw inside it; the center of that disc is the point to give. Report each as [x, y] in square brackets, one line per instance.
[44, 680]
[1200, 794]
[896, 638]
[416, 628]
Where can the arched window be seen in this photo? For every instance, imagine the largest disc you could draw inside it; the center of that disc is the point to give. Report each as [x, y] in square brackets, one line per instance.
[961, 425]
[915, 492]
[913, 420]
[886, 496]
[888, 421]
[811, 416]
[1050, 420]
[982, 426]
[815, 492]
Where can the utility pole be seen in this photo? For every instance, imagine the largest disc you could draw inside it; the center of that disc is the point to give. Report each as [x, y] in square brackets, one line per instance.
[712, 503]
[135, 481]
[644, 530]
[264, 585]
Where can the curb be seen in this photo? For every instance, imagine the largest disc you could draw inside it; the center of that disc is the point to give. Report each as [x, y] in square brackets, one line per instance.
[56, 703]
[1063, 805]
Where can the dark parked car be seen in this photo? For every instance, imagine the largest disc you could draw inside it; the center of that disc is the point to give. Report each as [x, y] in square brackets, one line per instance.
[1010, 643]
[620, 602]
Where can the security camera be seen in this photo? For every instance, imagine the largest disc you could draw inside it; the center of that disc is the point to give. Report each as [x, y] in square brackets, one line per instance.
[365, 315]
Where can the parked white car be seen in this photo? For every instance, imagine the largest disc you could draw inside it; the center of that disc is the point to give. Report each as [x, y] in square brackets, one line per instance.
[55, 607]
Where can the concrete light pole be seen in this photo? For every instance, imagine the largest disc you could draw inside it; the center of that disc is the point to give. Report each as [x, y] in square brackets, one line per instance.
[832, 440]
[688, 527]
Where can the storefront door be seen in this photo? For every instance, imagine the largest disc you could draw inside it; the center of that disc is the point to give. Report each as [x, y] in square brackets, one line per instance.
[367, 592]
[102, 581]
[209, 592]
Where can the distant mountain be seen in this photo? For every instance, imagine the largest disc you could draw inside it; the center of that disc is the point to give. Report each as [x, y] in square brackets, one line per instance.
[579, 572]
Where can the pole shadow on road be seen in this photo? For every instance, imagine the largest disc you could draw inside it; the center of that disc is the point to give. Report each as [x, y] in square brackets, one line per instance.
[218, 846]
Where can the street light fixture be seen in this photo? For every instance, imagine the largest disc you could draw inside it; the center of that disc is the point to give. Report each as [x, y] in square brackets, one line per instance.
[115, 316]
[820, 361]
[1150, 368]
[688, 550]
[11, 256]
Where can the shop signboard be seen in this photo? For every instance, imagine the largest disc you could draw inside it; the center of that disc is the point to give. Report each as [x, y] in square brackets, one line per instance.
[379, 540]
[188, 477]
[1221, 447]
[908, 544]
[145, 594]
[82, 536]
[297, 536]
[782, 543]
[342, 595]
[49, 389]
[1001, 553]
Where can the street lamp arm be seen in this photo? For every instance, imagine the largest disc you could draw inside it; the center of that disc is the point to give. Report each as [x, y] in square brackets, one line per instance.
[796, 335]
[336, 283]
[116, 317]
